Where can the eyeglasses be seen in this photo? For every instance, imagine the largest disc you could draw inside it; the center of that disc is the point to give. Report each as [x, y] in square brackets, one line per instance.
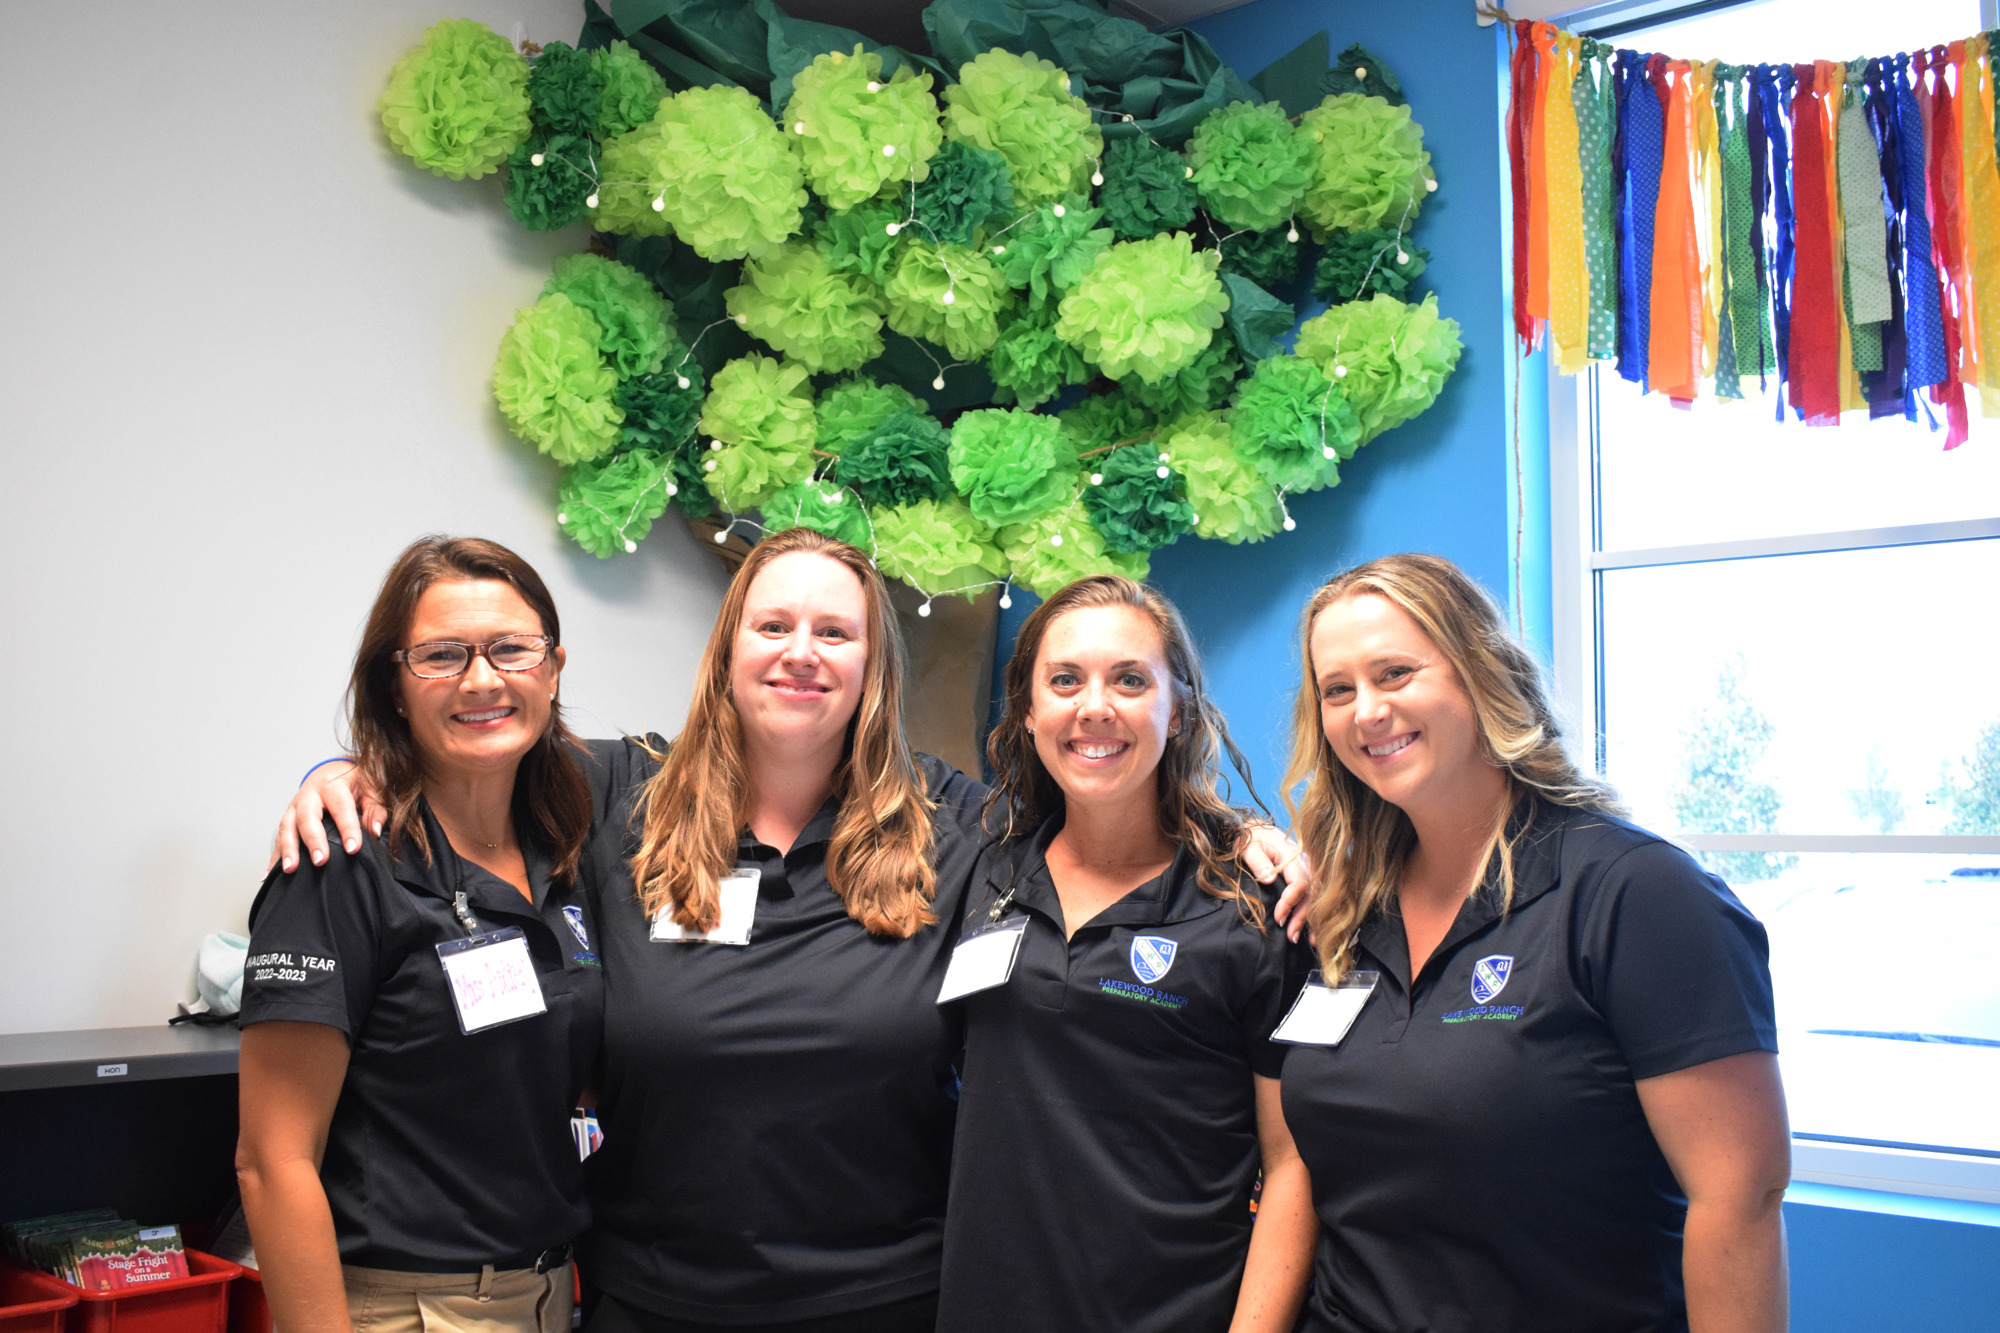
[443, 659]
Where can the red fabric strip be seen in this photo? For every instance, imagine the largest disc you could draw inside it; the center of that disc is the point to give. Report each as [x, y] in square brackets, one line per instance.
[1815, 361]
[1519, 109]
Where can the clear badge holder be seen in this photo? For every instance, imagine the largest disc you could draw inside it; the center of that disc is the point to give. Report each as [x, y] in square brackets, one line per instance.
[1322, 1014]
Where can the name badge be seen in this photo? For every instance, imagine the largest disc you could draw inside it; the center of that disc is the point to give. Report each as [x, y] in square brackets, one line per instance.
[739, 913]
[983, 960]
[492, 980]
[1322, 1013]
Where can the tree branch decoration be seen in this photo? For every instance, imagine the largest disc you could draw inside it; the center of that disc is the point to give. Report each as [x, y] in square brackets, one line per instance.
[985, 316]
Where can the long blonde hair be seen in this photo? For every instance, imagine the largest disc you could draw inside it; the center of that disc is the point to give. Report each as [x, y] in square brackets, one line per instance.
[1358, 841]
[699, 802]
[1192, 810]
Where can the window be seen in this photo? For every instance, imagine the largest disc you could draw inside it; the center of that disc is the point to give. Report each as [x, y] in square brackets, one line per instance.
[1788, 639]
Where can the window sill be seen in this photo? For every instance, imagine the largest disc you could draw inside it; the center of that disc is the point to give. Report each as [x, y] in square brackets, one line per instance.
[1896, 1180]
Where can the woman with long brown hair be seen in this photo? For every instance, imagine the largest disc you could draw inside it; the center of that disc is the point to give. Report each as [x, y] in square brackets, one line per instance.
[417, 1018]
[1120, 1084]
[1546, 1096]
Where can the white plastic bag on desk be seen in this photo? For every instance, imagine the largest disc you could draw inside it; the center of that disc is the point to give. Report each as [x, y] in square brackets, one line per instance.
[219, 972]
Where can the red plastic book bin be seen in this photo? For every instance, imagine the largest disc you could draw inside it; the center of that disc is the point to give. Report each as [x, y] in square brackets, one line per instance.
[197, 1303]
[32, 1302]
[249, 1312]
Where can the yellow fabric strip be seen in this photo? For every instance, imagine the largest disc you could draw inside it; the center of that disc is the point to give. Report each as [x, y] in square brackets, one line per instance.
[1569, 276]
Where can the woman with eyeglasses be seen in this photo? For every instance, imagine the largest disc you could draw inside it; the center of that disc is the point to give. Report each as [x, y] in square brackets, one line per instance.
[420, 1013]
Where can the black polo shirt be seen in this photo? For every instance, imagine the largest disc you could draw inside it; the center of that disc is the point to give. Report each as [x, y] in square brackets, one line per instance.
[446, 1151]
[1107, 1131]
[777, 1116]
[1480, 1160]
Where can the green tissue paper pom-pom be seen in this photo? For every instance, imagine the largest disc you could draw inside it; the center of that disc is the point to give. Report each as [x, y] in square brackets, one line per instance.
[729, 184]
[551, 195]
[966, 325]
[1044, 254]
[608, 506]
[1145, 308]
[1106, 419]
[624, 200]
[904, 458]
[1201, 384]
[553, 386]
[1232, 503]
[635, 323]
[1397, 356]
[1146, 189]
[967, 188]
[796, 301]
[1045, 566]
[1011, 465]
[563, 96]
[1369, 164]
[457, 103]
[630, 89]
[1021, 108]
[820, 505]
[1249, 165]
[842, 127]
[761, 411]
[1136, 508]
[1357, 263]
[1031, 363]
[858, 240]
[1268, 258]
[938, 547]
[1293, 425]
[659, 413]
[856, 406]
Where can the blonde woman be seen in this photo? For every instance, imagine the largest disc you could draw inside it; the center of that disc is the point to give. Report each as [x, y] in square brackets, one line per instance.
[1558, 1105]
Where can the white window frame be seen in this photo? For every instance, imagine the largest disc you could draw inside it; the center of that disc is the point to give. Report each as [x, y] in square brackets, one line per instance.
[1578, 561]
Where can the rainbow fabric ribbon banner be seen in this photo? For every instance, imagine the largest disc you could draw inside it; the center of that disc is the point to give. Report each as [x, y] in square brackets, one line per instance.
[1831, 228]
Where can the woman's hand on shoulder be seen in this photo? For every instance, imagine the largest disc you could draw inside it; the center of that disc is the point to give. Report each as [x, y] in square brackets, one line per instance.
[1267, 852]
[335, 789]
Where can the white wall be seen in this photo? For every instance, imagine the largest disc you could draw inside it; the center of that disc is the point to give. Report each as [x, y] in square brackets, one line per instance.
[244, 357]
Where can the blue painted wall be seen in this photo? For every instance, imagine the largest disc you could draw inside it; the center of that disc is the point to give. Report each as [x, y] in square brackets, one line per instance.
[1442, 483]
[1864, 1262]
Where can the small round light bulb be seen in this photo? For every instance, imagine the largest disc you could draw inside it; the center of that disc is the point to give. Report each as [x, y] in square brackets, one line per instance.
[893, 228]
[537, 159]
[924, 610]
[950, 297]
[1163, 472]
[590, 200]
[1291, 524]
[888, 150]
[1293, 236]
[684, 382]
[562, 519]
[1059, 210]
[1056, 540]
[938, 383]
[1006, 602]
[1097, 478]
[1097, 178]
[630, 546]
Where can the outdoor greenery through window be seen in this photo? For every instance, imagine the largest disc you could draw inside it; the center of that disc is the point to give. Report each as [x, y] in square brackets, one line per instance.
[1795, 652]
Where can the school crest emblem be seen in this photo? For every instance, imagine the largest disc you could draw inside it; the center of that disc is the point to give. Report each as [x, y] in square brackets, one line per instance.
[1152, 955]
[574, 915]
[1489, 976]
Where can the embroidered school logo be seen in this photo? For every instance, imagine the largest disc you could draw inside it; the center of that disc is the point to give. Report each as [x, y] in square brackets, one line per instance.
[1152, 955]
[574, 915]
[1489, 976]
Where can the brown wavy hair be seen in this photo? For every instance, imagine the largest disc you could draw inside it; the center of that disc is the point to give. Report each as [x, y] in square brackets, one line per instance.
[1193, 812]
[879, 861]
[1356, 840]
[551, 796]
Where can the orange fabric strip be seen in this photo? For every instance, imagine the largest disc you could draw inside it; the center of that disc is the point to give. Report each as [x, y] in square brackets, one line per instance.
[1544, 39]
[1674, 343]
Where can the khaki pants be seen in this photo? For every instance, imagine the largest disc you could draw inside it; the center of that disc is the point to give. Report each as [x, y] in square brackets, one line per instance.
[517, 1301]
